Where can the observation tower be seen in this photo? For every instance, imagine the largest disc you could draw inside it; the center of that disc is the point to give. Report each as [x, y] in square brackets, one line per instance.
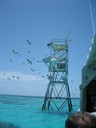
[57, 95]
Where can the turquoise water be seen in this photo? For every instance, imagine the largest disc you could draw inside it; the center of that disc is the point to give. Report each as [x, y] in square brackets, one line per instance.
[25, 112]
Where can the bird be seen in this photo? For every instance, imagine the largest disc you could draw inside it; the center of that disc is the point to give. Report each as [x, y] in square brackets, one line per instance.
[29, 61]
[18, 77]
[32, 69]
[49, 44]
[28, 42]
[13, 76]
[43, 76]
[28, 51]
[8, 78]
[33, 58]
[10, 60]
[39, 61]
[14, 52]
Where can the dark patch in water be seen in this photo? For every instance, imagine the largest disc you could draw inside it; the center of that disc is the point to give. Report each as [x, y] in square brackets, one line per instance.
[12, 102]
[18, 100]
[8, 125]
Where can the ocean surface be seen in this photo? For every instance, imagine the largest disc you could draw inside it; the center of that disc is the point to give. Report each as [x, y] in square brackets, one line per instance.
[25, 112]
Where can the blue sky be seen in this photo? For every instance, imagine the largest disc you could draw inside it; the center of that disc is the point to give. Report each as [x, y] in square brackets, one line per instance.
[40, 21]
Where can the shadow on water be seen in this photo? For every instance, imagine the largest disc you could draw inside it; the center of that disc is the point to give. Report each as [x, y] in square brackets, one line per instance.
[10, 99]
[8, 125]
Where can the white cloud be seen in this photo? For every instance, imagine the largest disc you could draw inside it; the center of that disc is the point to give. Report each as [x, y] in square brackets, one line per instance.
[19, 76]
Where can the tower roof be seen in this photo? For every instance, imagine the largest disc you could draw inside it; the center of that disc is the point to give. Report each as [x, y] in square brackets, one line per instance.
[60, 47]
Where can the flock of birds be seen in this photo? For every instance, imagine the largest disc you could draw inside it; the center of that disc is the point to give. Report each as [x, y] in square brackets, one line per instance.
[29, 61]
[13, 76]
[15, 52]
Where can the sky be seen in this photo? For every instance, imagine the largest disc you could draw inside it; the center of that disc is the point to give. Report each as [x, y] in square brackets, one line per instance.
[26, 27]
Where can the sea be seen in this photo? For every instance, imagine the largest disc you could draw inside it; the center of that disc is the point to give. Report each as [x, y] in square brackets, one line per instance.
[25, 112]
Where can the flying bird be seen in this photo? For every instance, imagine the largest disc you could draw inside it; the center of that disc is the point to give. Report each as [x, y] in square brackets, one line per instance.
[8, 78]
[18, 77]
[28, 51]
[33, 58]
[10, 60]
[13, 76]
[28, 42]
[39, 61]
[43, 76]
[32, 69]
[29, 61]
[14, 52]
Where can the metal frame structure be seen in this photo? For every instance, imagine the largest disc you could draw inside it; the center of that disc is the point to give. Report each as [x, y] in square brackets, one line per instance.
[57, 94]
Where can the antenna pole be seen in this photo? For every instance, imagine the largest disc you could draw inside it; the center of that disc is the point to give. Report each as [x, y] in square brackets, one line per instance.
[92, 17]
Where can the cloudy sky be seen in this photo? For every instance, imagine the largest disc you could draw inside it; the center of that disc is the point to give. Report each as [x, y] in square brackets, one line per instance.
[26, 27]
